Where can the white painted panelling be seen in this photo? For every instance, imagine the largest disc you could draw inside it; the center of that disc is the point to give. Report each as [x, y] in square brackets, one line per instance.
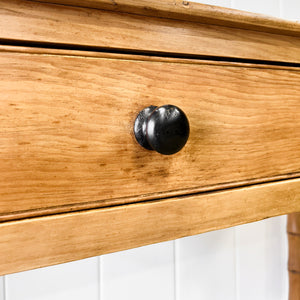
[261, 260]
[205, 266]
[290, 9]
[268, 7]
[145, 273]
[2, 297]
[224, 3]
[71, 281]
[276, 258]
[251, 261]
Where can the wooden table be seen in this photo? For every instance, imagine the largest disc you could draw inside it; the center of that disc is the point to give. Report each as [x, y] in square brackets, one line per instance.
[75, 74]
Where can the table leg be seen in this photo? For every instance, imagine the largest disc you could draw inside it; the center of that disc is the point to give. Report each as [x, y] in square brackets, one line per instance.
[293, 229]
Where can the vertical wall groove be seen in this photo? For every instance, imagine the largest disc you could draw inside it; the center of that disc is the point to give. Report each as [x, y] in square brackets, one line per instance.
[236, 266]
[99, 277]
[5, 290]
[176, 271]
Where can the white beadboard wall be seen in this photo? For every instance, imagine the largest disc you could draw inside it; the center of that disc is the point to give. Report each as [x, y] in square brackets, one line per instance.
[241, 263]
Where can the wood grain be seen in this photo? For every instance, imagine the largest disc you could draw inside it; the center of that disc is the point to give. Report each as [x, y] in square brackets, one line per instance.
[67, 144]
[77, 26]
[294, 252]
[293, 229]
[40, 242]
[294, 286]
[190, 11]
[293, 225]
[145, 57]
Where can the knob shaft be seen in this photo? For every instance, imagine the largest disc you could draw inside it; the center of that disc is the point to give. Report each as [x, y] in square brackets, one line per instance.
[164, 129]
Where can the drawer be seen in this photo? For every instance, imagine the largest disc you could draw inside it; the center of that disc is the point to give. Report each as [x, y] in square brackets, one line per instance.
[67, 139]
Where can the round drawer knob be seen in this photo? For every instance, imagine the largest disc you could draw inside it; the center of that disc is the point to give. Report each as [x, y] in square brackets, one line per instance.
[164, 129]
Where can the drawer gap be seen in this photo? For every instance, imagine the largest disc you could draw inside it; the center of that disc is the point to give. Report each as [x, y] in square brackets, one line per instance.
[158, 54]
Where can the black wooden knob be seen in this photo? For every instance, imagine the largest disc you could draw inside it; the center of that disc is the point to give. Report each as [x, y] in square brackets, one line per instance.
[164, 129]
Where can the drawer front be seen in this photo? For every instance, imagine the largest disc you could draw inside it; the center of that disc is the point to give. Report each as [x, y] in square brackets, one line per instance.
[67, 140]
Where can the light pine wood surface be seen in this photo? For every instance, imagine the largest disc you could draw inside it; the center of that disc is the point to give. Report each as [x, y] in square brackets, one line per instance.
[67, 142]
[44, 241]
[190, 11]
[24, 21]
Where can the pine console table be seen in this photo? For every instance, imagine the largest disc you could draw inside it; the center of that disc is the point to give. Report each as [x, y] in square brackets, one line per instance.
[222, 92]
